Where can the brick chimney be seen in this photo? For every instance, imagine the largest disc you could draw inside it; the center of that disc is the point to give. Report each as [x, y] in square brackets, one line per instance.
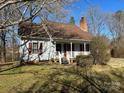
[83, 24]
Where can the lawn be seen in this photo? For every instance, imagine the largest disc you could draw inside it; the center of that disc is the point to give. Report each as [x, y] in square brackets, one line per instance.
[21, 79]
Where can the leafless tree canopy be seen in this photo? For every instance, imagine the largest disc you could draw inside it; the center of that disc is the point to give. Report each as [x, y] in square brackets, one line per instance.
[96, 20]
[12, 12]
[19, 9]
[116, 24]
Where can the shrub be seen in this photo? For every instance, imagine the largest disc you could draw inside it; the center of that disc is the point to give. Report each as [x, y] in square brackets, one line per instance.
[100, 50]
[118, 52]
[84, 60]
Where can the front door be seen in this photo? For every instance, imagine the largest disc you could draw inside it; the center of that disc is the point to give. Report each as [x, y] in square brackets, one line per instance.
[58, 48]
[67, 49]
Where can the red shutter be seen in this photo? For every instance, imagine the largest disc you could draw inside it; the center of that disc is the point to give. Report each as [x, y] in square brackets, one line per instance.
[40, 49]
[30, 48]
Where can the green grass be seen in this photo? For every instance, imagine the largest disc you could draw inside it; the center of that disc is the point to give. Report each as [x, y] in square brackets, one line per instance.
[23, 78]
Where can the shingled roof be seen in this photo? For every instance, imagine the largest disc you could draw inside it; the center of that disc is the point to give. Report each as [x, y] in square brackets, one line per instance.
[57, 30]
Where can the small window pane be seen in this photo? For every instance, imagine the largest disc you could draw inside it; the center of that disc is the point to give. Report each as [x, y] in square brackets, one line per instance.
[35, 48]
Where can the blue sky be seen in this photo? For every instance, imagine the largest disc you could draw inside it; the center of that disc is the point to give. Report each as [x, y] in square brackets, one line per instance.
[79, 8]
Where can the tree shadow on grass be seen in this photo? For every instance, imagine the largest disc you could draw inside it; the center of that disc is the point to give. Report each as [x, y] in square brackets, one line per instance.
[119, 83]
[19, 70]
[13, 70]
[73, 80]
[13, 67]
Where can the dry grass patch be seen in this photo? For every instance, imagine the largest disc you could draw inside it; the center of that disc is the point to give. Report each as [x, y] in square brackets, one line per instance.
[22, 78]
[25, 78]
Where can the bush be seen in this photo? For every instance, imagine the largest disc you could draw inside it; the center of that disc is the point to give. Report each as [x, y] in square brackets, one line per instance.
[84, 60]
[117, 52]
[100, 50]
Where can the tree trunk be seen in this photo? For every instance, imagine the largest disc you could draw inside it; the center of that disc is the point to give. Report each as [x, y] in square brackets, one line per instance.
[12, 43]
[3, 46]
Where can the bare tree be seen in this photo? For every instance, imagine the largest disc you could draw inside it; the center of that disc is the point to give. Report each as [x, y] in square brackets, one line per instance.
[100, 43]
[3, 18]
[116, 25]
[96, 20]
[18, 11]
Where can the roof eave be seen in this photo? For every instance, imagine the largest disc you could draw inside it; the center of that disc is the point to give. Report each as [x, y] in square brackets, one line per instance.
[55, 39]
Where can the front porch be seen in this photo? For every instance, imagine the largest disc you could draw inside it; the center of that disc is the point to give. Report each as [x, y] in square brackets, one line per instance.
[69, 50]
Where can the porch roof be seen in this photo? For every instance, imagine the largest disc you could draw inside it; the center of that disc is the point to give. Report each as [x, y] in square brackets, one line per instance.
[55, 39]
[57, 31]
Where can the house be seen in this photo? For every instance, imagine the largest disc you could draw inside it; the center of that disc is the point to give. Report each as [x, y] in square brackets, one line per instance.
[67, 41]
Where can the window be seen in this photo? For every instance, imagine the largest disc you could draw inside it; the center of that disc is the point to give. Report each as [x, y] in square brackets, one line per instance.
[68, 47]
[35, 48]
[87, 47]
[81, 47]
[58, 47]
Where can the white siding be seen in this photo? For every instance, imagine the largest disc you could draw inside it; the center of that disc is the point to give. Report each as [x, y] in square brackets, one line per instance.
[49, 51]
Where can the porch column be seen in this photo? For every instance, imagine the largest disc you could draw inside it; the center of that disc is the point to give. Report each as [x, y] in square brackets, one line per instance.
[84, 48]
[60, 54]
[55, 50]
[71, 52]
[60, 61]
